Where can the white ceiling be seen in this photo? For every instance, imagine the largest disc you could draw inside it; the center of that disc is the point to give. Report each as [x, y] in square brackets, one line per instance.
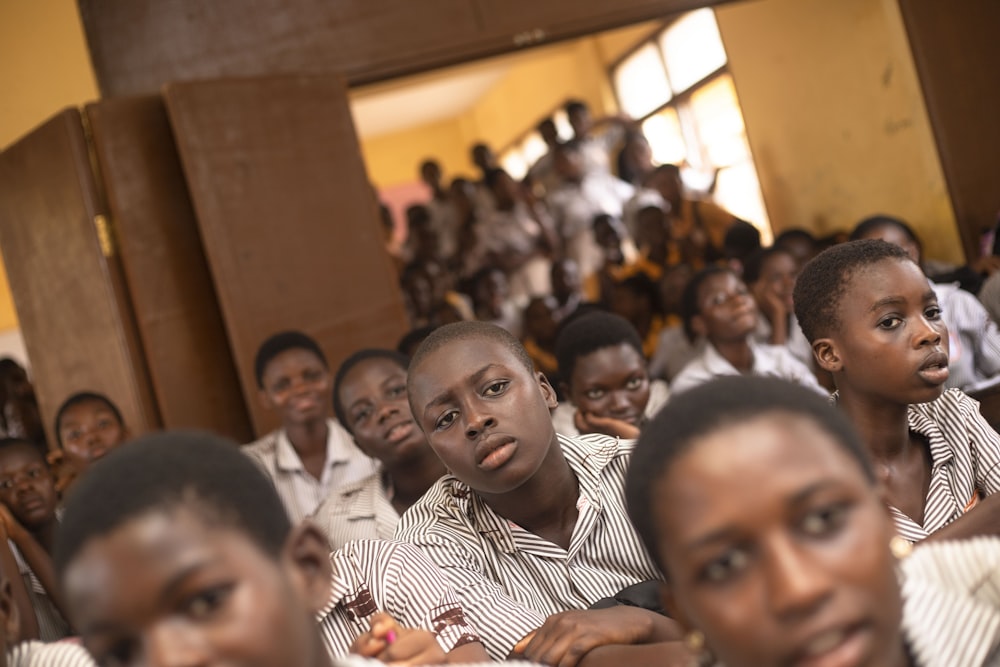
[398, 105]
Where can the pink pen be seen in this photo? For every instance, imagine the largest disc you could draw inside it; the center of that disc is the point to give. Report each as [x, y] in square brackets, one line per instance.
[390, 637]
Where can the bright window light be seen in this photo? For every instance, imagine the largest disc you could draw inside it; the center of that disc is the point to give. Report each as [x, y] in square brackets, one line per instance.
[692, 49]
[641, 82]
[716, 112]
[663, 131]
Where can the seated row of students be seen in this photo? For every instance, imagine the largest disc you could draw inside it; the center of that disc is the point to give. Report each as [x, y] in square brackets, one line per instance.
[477, 396]
[528, 523]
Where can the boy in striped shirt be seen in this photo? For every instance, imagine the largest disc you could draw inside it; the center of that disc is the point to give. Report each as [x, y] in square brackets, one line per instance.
[529, 527]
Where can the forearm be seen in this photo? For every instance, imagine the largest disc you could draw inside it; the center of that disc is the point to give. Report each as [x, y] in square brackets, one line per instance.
[22, 600]
[983, 519]
[41, 564]
[661, 654]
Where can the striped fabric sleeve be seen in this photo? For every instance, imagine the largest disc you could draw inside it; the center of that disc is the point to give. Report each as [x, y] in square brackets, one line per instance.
[501, 621]
[39, 654]
[985, 445]
[417, 594]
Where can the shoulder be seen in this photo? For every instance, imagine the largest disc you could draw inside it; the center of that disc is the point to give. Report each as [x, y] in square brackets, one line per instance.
[951, 608]
[263, 447]
[595, 450]
[34, 653]
[953, 404]
[441, 511]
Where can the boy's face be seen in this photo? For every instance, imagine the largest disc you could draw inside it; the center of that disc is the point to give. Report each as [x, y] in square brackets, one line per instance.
[484, 414]
[892, 344]
[88, 431]
[297, 385]
[726, 309]
[611, 382]
[167, 588]
[27, 487]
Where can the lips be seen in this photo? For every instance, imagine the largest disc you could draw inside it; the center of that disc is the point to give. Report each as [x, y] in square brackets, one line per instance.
[836, 647]
[934, 368]
[494, 451]
[399, 432]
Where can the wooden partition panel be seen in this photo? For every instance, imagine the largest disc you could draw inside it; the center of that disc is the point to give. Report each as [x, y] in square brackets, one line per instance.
[287, 217]
[955, 50]
[65, 278]
[176, 310]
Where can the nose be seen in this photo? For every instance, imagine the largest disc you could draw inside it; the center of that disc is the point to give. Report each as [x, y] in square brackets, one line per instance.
[929, 332]
[620, 402]
[385, 410]
[478, 421]
[797, 586]
[171, 646]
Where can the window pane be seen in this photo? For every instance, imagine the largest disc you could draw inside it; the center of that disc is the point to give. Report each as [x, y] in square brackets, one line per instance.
[514, 164]
[692, 48]
[641, 82]
[716, 113]
[738, 191]
[663, 131]
[533, 147]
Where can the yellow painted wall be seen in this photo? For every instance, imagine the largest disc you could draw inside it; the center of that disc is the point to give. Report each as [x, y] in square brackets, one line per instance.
[835, 116]
[44, 67]
[394, 158]
[531, 88]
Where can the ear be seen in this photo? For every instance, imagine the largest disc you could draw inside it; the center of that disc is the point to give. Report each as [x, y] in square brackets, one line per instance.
[547, 391]
[265, 399]
[306, 555]
[827, 356]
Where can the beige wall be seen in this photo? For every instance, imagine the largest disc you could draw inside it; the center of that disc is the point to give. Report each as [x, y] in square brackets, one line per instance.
[44, 67]
[531, 88]
[835, 116]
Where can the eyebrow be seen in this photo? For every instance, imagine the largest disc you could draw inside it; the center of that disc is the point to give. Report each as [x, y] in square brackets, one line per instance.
[448, 394]
[929, 295]
[180, 578]
[727, 533]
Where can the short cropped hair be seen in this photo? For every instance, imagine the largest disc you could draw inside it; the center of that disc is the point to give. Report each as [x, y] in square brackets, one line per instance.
[397, 358]
[455, 332]
[689, 297]
[708, 408]
[754, 263]
[873, 223]
[164, 472]
[823, 282]
[575, 106]
[10, 443]
[594, 331]
[282, 342]
[84, 397]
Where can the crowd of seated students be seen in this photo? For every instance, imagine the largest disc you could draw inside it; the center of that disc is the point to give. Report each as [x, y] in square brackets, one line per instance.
[620, 431]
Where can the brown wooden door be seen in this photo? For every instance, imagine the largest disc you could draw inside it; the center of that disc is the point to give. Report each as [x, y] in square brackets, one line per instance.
[66, 277]
[287, 217]
[176, 311]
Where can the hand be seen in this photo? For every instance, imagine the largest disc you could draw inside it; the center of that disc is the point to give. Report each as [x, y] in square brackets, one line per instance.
[11, 526]
[566, 637]
[588, 422]
[388, 642]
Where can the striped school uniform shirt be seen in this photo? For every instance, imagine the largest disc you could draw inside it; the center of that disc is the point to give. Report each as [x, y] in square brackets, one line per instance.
[509, 580]
[300, 492]
[951, 603]
[965, 461]
[51, 624]
[34, 653]
[371, 576]
[359, 511]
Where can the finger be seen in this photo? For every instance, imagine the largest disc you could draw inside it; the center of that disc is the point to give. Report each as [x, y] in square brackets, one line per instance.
[613, 426]
[413, 647]
[523, 644]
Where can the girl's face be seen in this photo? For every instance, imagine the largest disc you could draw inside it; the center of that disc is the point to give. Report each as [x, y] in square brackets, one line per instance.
[776, 547]
[611, 382]
[726, 309]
